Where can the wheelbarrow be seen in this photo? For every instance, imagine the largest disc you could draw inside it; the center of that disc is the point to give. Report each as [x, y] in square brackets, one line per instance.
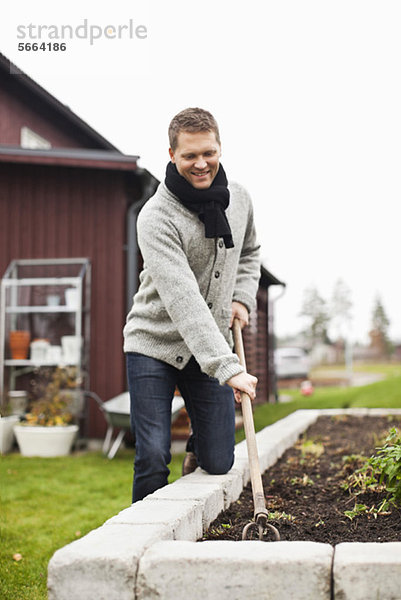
[116, 411]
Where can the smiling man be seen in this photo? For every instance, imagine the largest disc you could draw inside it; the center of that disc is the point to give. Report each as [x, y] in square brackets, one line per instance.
[197, 158]
[201, 270]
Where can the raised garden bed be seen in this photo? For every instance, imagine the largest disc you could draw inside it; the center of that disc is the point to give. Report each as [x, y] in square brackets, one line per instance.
[149, 550]
[304, 489]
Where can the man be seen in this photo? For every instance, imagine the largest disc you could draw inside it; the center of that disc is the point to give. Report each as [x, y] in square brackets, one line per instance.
[201, 270]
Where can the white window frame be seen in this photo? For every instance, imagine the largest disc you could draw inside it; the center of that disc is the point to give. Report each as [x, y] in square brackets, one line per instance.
[32, 140]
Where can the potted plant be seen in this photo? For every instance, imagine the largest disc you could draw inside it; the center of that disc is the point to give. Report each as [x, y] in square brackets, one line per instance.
[48, 429]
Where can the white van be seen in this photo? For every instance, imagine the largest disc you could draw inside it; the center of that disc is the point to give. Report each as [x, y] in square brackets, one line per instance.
[291, 362]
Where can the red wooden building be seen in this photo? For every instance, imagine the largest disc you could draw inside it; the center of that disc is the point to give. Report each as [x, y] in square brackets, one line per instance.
[66, 192]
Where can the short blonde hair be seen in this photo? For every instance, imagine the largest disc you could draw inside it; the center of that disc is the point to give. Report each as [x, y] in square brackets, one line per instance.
[192, 120]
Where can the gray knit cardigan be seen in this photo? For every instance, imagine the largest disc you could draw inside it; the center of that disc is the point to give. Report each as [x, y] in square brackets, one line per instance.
[188, 282]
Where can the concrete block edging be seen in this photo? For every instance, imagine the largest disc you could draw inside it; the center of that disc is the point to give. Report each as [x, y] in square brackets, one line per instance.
[145, 550]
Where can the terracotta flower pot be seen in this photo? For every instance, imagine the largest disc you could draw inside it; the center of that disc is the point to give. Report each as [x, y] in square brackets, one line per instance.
[19, 344]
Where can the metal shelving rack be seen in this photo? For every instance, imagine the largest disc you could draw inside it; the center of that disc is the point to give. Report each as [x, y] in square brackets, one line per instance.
[18, 283]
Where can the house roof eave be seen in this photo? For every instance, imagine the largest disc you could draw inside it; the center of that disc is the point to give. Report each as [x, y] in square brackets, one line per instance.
[69, 157]
[267, 278]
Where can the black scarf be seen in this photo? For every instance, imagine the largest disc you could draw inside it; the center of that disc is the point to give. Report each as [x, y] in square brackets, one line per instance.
[210, 204]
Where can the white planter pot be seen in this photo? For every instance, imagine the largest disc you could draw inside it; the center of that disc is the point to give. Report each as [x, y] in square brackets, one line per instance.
[7, 425]
[34, 440]
[71, 345]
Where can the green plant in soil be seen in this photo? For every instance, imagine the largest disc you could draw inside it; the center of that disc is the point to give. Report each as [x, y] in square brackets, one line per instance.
[310, 448]
[304, 481]
[377, 474]
[280, 516]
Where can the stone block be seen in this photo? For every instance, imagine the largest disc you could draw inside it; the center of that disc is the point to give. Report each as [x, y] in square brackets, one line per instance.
[298, 421]
[231, 483]
[382, 412]
[209, 495]
[367, 571]
[184, 517]
[335, 412]
[235, 570]
[241, 450]
[271, 448]
[241, 463]
[102, 565]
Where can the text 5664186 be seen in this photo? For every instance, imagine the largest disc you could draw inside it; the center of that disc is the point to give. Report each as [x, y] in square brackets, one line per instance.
[44, 47]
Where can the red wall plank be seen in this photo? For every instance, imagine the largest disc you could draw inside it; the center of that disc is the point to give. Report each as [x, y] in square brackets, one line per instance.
[56, 213]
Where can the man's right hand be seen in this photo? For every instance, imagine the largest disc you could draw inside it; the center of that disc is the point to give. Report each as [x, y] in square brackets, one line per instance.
[243, 382]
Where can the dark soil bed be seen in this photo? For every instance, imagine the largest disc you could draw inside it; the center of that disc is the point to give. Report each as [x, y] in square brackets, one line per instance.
[303, 489]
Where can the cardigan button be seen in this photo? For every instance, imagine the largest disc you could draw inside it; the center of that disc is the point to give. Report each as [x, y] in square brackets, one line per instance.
[210, 305]
[179, 359]
[217, 274]
[221, 243]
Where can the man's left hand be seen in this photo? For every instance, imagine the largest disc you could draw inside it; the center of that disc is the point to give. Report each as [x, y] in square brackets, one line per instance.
[239, 311]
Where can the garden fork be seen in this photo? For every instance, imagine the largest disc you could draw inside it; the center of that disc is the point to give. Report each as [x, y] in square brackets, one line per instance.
[261, 514]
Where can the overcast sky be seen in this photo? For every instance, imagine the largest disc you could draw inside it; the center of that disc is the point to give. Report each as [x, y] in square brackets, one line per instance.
[307, 95]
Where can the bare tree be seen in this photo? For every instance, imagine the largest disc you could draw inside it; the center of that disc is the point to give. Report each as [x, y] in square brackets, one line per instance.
[314, 308]
[340, 308]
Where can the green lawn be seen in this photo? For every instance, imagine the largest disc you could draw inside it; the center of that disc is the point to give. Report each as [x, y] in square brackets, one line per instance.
[387, 369]
[47, 503]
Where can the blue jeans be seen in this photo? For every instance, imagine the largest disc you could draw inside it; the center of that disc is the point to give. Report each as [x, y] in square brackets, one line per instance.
[210, 407]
